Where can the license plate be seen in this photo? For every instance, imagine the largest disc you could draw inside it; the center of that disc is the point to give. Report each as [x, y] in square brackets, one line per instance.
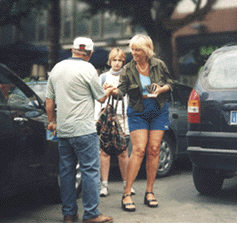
[233, 117]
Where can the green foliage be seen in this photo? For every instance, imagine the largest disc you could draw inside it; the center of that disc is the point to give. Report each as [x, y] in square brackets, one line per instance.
[27, 79]
[206, 51]
[153, 15]
[12, 11]
[139, 11]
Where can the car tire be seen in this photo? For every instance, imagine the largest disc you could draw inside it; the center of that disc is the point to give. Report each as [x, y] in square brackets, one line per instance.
[207, 181]
[78, 184]
[166, 157]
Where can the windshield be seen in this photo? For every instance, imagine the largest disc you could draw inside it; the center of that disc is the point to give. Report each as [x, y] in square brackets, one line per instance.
[223, 73]
[13, 95]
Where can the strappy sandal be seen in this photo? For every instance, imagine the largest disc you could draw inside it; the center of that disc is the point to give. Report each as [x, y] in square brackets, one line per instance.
[148, 202]
[124, 205]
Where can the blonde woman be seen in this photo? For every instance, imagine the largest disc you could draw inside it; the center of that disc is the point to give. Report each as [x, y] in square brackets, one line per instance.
[116, 60]
[145, 80]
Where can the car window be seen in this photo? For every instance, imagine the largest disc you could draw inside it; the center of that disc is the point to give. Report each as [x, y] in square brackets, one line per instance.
[180, 95]
[169, 97]
[12, 95]
[175, 97]
[17, 97]
[184, 93]
[223, 73]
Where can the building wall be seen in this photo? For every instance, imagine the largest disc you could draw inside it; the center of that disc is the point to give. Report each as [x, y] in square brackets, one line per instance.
[108, 30]
[222, 20]
[217, 21]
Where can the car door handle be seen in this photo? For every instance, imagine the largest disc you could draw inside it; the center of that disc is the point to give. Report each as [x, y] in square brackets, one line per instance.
[20, 119]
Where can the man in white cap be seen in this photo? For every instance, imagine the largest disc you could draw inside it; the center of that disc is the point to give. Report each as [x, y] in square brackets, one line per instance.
[74, 86]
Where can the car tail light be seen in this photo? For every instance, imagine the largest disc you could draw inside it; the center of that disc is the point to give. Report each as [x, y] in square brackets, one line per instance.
[194, 108]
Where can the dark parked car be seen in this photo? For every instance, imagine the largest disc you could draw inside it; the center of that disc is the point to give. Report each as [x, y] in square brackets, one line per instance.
[174, 141]
[27, 159]
[212, 116]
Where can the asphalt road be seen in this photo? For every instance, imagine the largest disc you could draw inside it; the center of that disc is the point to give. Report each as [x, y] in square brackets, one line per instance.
[179, 202]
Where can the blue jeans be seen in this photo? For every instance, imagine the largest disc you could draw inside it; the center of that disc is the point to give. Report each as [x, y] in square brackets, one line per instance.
[86, 150]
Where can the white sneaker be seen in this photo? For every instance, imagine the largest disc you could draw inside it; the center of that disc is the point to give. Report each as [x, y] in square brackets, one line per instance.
[133, 192]
[104, 191]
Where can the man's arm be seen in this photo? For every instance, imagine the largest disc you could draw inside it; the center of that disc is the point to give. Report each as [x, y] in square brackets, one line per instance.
[108, 92]
[50, 109]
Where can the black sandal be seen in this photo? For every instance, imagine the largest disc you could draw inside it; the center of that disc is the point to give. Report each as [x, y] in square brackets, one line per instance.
[148, 202]
[124, 205]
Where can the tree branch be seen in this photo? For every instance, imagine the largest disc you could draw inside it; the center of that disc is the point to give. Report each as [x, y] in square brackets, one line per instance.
[197, 6]
[13, 20]
[6, 7]
[198, 14]
[12, 11]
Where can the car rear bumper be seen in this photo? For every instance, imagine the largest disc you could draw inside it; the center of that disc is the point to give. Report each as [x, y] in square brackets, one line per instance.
[216, 159]
[213, 150]
[212, 140]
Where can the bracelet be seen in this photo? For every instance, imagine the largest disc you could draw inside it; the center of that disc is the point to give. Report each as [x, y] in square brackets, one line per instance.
[51, 123]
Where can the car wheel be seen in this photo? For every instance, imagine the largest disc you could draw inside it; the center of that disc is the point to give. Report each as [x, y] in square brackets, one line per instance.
[78, 182]
[207, 181]
[166, 157]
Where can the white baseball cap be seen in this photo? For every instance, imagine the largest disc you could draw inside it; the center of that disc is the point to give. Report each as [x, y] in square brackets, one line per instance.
[83, 43]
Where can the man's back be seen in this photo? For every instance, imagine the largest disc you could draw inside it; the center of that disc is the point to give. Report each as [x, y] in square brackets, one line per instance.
[74, 84]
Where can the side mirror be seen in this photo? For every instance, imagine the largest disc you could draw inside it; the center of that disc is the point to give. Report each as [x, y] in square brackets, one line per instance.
[33, 114]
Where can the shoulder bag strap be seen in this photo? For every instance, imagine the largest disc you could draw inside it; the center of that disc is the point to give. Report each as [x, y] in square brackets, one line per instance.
[116, 104]
[123, 113]
[123, 107]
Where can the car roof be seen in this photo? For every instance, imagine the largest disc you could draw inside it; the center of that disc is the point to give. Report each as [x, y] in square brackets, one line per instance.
[226, 48]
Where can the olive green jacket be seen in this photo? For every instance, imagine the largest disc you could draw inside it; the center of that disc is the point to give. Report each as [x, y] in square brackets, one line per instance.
[130, 83]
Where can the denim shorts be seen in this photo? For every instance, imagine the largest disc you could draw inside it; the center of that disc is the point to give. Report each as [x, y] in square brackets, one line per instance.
[152, 117]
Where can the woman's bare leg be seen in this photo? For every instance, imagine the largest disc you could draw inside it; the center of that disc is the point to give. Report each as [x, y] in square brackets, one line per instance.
[139, 140]
[123, 160]
[104, 165]
[152, 159]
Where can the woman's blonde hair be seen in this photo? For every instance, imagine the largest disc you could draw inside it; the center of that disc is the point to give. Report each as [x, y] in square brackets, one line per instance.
[116, 52]
[143, 42]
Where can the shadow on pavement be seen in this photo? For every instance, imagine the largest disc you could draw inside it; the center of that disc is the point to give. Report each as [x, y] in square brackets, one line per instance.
[228, 194]
[181, 165]
[13, 207]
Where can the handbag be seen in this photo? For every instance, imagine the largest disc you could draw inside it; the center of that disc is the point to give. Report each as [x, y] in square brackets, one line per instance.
[112, 138]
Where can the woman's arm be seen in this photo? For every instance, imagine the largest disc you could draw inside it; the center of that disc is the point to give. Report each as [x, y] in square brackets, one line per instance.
[123, 84]
[168, 79]
[160, 89]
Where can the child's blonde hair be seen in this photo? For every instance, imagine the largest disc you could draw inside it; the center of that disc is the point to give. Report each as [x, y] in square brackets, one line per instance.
[116, 52]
